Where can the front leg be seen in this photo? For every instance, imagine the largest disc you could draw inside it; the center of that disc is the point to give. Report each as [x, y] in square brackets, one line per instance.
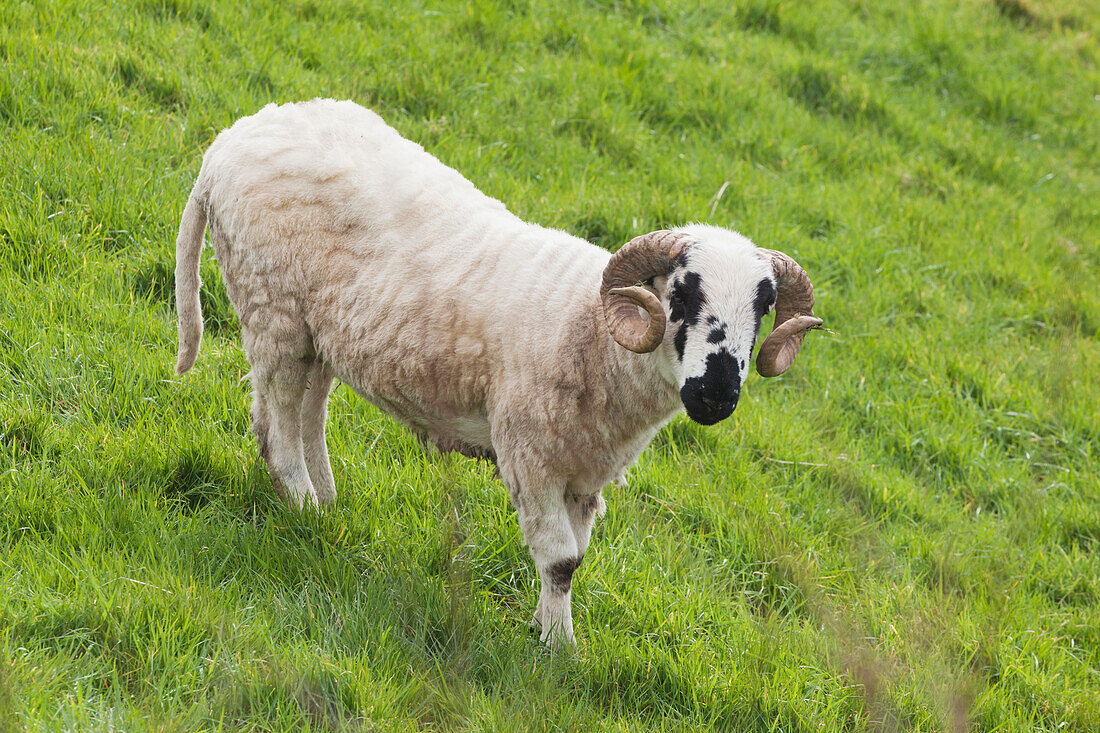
[581, 511]
[548, 532]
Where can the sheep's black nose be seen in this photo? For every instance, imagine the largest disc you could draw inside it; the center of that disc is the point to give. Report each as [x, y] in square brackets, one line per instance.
[713, 396]
[718, 404]
[707, 409]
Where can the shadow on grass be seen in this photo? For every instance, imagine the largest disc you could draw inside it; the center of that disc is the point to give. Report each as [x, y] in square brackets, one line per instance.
[654, 688]
[182, 11]
[26, 437]
[317, 700]
[155, 281]
[164, 90]
[122, 646]
[1081, 534]
[197, 478]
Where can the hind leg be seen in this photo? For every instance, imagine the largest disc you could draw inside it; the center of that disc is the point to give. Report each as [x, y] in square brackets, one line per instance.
[314, 413]
[261, 424]
[582, 513]
[281, 363]
[280, 391]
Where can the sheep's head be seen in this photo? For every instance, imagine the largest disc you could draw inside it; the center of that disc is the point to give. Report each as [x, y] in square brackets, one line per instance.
[706, 289]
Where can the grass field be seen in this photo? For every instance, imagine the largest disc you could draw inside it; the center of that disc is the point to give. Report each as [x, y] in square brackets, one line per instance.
[901, 533]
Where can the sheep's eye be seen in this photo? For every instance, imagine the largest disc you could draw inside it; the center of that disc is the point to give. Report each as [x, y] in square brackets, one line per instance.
[675, 299]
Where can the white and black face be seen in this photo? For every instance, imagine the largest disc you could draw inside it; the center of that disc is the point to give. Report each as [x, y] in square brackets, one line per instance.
[714, 299]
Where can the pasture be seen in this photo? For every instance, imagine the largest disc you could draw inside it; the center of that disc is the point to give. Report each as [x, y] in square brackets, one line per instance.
[901, 533]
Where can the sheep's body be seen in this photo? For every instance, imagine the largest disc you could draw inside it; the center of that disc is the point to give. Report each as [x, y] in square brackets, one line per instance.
[410, 288]
[350, 252]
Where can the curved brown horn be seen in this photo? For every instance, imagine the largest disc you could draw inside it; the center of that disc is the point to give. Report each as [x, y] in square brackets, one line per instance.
[623, 291]
[794, 314]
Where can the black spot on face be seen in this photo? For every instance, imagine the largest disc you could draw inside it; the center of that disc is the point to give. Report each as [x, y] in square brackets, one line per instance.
[680, 341]
[560, 574]
[716, 335]
[765, 298]
[686, 302]
[761, 304]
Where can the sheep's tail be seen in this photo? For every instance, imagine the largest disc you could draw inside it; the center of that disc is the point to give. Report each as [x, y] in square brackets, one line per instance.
[188, 251]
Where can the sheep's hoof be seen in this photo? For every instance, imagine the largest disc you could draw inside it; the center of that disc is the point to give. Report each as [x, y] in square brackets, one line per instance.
[559, 642]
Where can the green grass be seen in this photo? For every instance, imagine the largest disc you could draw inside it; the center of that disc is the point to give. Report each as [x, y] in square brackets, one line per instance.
[902, 533]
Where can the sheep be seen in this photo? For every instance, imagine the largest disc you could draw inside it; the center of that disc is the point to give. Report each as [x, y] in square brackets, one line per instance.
[349, 252]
